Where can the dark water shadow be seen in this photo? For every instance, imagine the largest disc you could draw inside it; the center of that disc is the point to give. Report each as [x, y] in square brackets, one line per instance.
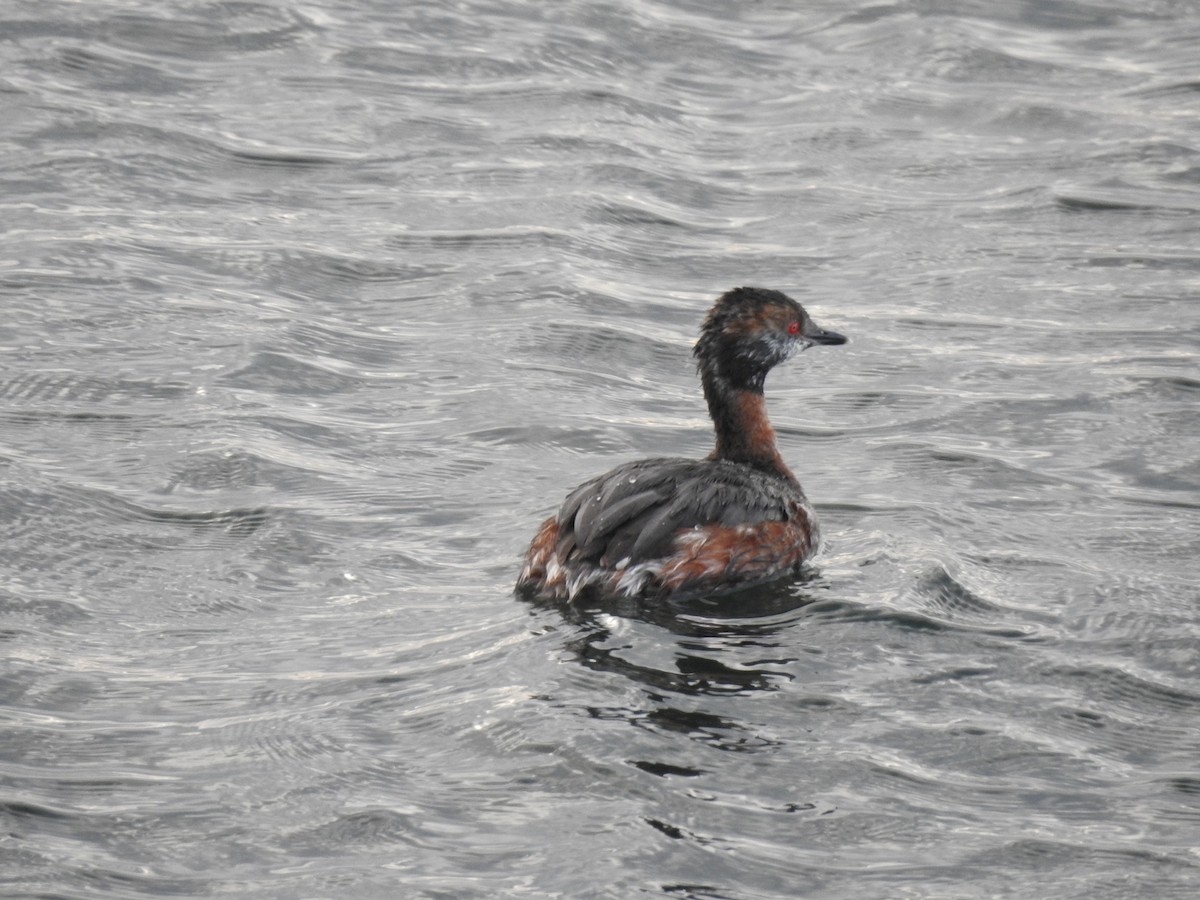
[689, 645]
[686, 654]
[752, 610]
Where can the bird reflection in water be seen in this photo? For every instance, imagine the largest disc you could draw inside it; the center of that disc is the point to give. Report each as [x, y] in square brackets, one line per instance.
[733, 643]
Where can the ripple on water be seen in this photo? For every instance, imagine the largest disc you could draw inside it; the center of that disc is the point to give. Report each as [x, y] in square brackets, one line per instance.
[308, 308]
[242, 27]
[1120, 196]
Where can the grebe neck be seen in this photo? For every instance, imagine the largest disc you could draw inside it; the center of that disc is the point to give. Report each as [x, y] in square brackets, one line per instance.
[744, 433]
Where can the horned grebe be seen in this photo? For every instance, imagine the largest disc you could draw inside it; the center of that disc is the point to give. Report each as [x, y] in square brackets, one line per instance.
[661, 526]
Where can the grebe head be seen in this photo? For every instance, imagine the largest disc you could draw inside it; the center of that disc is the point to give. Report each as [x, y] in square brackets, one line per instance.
[751, 330]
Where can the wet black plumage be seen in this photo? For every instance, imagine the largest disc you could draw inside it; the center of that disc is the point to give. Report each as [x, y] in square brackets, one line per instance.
[634, 511]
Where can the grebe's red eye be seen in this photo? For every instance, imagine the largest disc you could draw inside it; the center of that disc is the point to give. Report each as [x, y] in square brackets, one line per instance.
[793, 327]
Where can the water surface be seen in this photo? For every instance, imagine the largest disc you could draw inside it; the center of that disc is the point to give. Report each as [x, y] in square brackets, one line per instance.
[313, 312]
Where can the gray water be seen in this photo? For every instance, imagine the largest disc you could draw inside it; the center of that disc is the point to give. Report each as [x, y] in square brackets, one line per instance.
[313, 311]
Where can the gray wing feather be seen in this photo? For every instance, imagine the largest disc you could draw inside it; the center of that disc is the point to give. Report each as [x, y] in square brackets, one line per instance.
[636, 510]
